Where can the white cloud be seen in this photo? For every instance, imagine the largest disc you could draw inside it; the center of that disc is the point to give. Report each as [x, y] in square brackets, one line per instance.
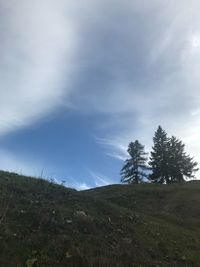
[38, 40]
[82, 186]
[99, 180]
[150, 73]
[145, 55]
[76, 184]
[119, 150]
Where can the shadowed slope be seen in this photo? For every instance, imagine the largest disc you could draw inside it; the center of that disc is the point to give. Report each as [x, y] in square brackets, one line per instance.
[43, 224]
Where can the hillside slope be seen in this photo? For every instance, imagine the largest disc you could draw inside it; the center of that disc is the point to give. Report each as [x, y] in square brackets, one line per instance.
[43, 224]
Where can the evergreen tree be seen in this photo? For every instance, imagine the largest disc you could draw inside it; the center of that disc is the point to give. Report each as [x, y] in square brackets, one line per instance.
[181, 165]
[169, 161]
[134, 169]
[159, 157]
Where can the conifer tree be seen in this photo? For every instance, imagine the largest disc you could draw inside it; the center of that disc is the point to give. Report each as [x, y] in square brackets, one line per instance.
[133, 172]
[159, 157]
[169, 161]
[181, 165]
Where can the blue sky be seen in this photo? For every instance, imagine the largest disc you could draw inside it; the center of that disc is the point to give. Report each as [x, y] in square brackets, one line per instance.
[79, 81]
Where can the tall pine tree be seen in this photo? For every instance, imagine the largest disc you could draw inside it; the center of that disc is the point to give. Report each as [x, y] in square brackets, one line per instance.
[159, 157]
[134, 170]
[169, 161]
[181, 165]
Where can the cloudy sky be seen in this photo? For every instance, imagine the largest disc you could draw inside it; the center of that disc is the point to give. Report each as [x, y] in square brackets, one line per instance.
[78, 81]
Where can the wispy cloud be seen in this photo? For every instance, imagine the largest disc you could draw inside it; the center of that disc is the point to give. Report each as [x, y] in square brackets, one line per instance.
[136, 63]
[150, 74]
[118, 150]
[78, 185]
[38, 40]
[99, 180]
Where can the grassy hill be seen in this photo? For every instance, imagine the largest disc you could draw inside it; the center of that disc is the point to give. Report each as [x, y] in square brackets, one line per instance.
[43, 224]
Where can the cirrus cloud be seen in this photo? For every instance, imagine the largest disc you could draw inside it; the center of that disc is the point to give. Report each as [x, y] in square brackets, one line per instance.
[136, 64]
[38, 39]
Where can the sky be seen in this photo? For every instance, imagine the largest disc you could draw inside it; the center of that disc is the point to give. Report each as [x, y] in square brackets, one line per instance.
[79, 81]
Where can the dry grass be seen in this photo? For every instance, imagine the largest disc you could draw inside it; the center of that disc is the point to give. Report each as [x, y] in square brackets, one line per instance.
[43, 224]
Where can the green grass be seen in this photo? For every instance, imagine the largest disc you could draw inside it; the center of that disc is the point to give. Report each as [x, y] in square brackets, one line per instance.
[43, 224]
